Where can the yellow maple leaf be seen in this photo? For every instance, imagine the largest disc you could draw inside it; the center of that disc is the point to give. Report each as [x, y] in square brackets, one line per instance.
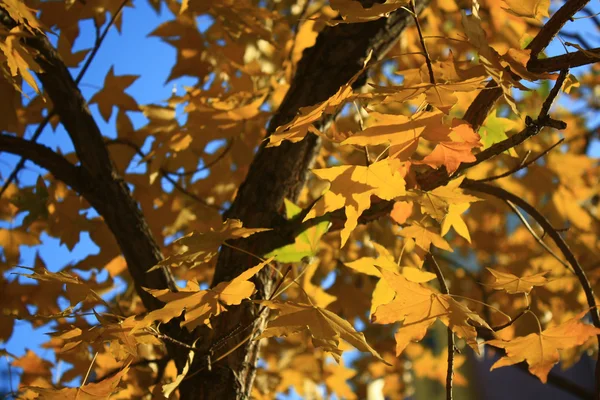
[336, 380]
[437, 202]
[400, 132]
[19, 60]
[201, 305]
[528, 8]
[424, 237]
[326, 327]
[352, 187]
[515, 284]
[418, 307]
[402, 210]
[352, 11]
[453, 219]
[540, 350]
[385, 260]
[383, 293]
[202, 247]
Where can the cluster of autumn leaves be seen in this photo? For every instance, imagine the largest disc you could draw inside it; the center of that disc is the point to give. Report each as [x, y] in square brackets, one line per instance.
[407, 121]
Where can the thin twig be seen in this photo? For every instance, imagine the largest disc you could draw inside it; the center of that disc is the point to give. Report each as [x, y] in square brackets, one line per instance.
[535, 235]
[164, 173]
[523, 164]
[425, 52]
[430, 260]
[207, 165]
[553, 94]
[512, 321]
[87, 374]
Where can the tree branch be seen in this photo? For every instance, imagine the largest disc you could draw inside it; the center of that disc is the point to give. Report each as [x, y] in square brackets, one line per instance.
[565, 61]
[46, 158]
[554, 25]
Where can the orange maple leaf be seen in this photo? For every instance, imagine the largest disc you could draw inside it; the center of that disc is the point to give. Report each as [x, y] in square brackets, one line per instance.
[540, 350]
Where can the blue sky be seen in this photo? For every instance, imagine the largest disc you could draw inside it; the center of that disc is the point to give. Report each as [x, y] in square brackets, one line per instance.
[131, 52]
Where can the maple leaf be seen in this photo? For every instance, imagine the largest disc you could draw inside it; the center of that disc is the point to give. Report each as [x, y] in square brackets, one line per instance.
[21, 13]
[20, 62]
[202, 247]
[113, 94]
[104, 389]
[383, 292]
[455, 149]
[76, 290]
[540, 350]
[336, 380]
[528, 8]
[11, 239]
[352, 187]
[201, 305]
[400, 132]
[123, 337]
[36, 204]
[325, 327]
[435, 367]
[514, 284]
[401, 211]
[494, 131]
[385, 260]
[298, 128]
[305, 244]
[424, 237]
[418, 307]
[353, 12]
[437, 202]
[453, 219]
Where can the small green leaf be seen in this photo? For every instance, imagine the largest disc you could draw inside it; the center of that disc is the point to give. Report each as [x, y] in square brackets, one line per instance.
[494, 131]
[305, 244]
